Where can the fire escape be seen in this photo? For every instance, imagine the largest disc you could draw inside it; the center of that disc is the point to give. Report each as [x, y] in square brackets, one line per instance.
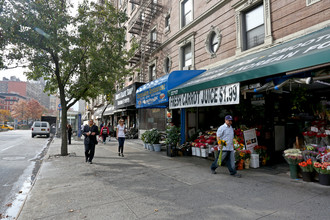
[140, 26]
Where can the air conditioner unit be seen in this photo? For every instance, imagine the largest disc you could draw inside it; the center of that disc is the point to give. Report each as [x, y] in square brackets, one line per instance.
[187, 67]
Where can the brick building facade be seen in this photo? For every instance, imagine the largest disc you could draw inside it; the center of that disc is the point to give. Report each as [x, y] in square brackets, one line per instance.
[30, 90]
[9, 99]
[191, 34]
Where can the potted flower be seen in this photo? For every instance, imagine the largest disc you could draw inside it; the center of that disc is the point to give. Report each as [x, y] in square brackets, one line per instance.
[247, 157]
[154, 139]
[204, 150]
[262, 151]
[307, 170]
[144, 139]
[172, 139]
[147, 139]
[239, 158]
[293, 157]
[323, 169]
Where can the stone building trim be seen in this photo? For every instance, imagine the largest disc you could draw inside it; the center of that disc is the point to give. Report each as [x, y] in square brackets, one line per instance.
[242, 6]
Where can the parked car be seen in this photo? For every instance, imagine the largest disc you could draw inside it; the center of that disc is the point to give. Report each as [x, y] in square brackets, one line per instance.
[40, 128]
[6, 127]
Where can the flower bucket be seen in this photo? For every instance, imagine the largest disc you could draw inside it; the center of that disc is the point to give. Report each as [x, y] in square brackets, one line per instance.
[324, 179]
[157, 147]
[240, 165]
[293, 171]
[254, 162]
[198, 152]
[204, 152]
[151, 147]
[307, 176]
[148, 146]
[145, 145]
[193, 151]
[247, 163]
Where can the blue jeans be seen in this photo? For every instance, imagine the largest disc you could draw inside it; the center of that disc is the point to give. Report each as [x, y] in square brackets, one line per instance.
[121, 141]
[230, 156]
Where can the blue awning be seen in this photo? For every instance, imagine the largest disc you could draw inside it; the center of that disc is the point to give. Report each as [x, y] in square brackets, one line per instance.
[154, 94]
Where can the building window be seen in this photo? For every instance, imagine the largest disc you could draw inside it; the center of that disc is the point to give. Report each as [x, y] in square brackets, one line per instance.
[310, 2]
[213, 39]
[187, 52]
[153, 35]
[152, 72]
[214, 42]
[253, 24]
[167, 22]
[186, 56]
[167, 65]
[186, 12]
[254, 27]
[132, 6]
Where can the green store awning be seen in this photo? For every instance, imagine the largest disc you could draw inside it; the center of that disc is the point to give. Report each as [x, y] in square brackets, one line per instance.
[306, 51]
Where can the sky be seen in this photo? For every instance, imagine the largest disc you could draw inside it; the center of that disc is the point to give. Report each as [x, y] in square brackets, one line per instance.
[18, 72]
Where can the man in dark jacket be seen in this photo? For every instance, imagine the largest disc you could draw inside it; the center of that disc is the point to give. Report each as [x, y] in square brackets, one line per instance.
[90, 131]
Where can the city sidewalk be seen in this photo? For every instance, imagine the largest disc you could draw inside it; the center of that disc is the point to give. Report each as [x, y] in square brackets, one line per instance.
[150, 185]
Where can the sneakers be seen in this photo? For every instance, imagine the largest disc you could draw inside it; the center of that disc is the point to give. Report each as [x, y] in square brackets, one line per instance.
[237, 175]
[122, 155]
[90, 162]
[213, 172]
[119, 154]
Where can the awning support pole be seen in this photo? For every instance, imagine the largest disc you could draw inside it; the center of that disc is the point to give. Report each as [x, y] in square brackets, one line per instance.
[183, 125]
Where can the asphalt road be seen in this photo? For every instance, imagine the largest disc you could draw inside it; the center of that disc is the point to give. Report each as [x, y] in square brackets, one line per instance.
[20, 155]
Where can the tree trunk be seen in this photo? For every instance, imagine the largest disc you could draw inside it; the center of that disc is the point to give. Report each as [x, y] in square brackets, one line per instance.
[64, 145]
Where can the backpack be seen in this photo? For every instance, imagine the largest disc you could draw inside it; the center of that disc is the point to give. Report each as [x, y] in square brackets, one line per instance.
[105, 130]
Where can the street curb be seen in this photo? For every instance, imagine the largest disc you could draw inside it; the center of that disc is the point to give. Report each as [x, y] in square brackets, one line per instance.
[51, 140]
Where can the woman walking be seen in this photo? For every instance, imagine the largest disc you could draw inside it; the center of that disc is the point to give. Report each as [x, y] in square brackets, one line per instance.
[105, 133]
[120, 134]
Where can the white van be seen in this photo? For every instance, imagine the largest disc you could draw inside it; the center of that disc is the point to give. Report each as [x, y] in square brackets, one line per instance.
[40, 128]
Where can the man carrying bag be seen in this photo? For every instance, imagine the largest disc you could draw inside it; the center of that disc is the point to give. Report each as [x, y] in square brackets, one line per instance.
[90, 131]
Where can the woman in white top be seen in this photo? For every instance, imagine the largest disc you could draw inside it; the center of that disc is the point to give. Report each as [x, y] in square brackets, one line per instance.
[120, 134]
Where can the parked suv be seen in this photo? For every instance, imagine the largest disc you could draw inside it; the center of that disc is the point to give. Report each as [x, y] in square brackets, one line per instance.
[40, 128]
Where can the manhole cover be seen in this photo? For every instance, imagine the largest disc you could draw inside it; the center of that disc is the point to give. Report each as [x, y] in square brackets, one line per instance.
[13, 158]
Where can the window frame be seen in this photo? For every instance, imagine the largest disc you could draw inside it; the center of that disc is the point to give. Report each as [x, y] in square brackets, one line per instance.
[189, 39]
[208, 43]
[242, 7]
[153, 33]
[167, 22]
[182, 16]
[310, 2]
[150, 73]
[167, 64]
[245, 32]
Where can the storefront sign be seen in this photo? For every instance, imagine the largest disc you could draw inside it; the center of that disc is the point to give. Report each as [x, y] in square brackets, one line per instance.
[250, 139]
[222, 95]
[152, 96]
[126, 97]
